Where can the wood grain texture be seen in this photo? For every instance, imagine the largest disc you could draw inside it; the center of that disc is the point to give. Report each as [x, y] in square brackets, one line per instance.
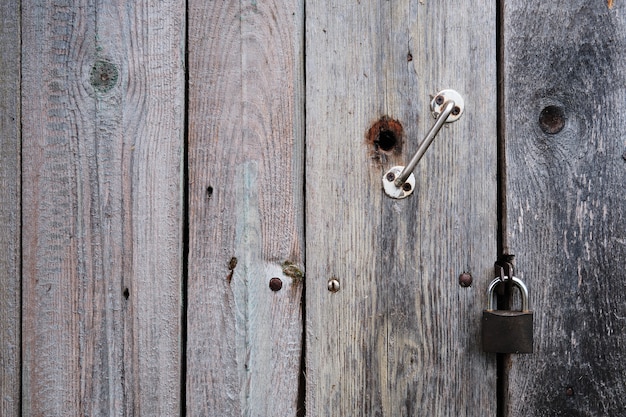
[401, 337]
[10, 282]
[103, 102]
[566, 204]
[246, 112]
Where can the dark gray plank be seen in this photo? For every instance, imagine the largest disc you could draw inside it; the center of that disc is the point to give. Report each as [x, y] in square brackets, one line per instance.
[102, 116]
[246, 135]
[400, 337]
[10, 281]
[566, 209]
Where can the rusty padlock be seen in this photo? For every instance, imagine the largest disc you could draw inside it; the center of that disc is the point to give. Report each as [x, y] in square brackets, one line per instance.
[507, 331]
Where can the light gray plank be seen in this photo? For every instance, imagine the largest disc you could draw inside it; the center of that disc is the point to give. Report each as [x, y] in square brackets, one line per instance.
[10, 282]
[401, 337]
[103, 89]
[244, 341]
[566, 205]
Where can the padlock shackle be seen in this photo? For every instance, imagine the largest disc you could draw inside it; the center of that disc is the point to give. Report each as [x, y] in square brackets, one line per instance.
[517, 282]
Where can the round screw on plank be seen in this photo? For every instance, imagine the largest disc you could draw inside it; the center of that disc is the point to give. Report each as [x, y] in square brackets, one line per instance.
[333, 285]
[465, 280]
[276, 284]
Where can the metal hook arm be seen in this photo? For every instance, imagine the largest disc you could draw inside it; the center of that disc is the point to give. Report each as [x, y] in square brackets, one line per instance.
[448, 107]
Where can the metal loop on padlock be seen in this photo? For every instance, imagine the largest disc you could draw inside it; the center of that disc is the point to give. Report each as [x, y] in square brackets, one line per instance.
[507, 331]
[517, 282]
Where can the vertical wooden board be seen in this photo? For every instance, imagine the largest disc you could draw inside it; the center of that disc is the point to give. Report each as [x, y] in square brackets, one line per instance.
[246, 112]
[102, 111]
[400, 337]
[10, 282]
[564, 69]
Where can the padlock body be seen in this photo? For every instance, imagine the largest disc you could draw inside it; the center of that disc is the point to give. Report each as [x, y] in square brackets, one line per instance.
[506, 331]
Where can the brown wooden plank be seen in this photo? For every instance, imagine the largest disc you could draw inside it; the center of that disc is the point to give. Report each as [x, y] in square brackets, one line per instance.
[10, 282]
[566, 206]
[103, 88]
[244, 341]
[400, 337]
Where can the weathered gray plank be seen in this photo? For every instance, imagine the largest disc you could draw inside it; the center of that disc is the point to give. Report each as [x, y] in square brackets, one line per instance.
[566, 205]
[246, 111]
[10, 282]
[103, 101]
[401, 337]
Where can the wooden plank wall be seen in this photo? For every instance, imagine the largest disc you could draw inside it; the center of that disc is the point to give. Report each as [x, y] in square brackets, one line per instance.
[98, 91]
[10, 282]
[565, 88]
[103, 123]
[246, 224]
[401, 336]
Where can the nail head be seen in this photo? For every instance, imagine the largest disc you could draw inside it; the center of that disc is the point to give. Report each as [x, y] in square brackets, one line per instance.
[276, 284]
[333, 285]
[465, 280]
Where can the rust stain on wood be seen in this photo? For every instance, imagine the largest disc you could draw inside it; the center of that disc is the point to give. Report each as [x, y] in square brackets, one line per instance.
[610, 3]
[385, 138]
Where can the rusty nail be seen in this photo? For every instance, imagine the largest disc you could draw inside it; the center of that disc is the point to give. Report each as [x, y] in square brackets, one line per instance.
[439, 100]
[391, 176]
[333, 285]
[569, 391]
[456, 110]
[465, 280]
[276, 284]
[406, 187]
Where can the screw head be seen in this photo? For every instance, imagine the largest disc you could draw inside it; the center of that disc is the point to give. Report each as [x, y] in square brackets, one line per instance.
[456, 110]
[406, 187]
[439, 100]
[391, 176]
[333, 285]
[276, 284]
[465, 280]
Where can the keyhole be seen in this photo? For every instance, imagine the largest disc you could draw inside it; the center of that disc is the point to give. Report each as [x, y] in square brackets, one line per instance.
[385, 136]
[386, 140]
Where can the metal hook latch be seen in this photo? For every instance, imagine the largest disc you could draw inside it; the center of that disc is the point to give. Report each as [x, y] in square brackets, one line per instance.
[447, 107]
